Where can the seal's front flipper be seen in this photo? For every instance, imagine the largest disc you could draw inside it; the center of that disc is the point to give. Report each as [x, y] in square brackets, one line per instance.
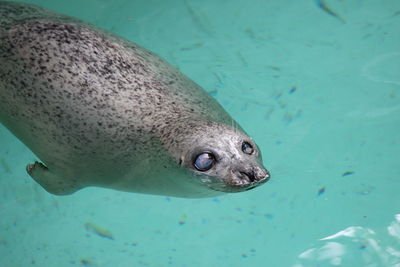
[51, 182]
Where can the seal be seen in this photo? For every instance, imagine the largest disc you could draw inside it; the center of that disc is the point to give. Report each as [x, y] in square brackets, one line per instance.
[98, 110]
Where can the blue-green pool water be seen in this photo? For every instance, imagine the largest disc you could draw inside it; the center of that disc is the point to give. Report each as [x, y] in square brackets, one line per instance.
[315, 83]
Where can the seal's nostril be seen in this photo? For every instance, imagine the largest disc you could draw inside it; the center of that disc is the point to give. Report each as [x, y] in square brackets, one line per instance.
[249, 175]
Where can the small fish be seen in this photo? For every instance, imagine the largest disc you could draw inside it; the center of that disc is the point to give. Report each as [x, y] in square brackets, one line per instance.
[213, 92]
[274, 68]
[183, 219]
[86, 262]
[347, 173]
[362, 247]
[99, 231]
[321, 4]
[321, 191]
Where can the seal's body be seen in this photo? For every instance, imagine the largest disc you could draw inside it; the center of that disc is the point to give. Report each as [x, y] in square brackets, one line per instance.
[99, 110]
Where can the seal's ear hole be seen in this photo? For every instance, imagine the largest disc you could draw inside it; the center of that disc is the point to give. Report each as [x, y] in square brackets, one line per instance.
[204, 161]
[247, 148]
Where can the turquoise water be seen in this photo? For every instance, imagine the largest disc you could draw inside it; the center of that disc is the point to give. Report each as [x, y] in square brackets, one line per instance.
[315, 83]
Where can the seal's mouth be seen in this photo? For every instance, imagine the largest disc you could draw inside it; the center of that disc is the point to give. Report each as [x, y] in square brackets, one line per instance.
[242, 180]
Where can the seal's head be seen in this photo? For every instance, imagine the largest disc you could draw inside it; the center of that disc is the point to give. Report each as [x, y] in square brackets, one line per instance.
[223, 158]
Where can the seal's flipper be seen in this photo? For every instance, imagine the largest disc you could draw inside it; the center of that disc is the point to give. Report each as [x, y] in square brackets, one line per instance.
[51, 182]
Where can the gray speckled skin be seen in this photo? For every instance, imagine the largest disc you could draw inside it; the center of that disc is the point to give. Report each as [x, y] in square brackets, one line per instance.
[99, 110]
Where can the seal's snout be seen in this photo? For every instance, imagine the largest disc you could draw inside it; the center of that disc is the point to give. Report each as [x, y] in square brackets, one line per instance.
[255, 174]
[252, 177]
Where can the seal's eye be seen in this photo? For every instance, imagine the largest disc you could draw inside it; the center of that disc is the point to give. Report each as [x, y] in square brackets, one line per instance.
[247, 148]
[204, 161]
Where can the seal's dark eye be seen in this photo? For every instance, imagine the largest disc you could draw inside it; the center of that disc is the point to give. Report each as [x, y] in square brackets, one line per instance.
[247, 148]
[204, 161]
